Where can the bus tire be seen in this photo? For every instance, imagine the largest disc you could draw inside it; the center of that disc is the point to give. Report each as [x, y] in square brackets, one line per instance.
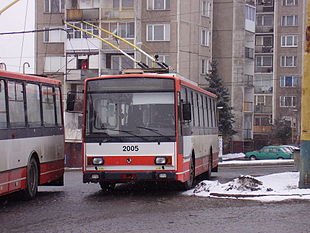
[107, 186]
[191, 181]
[208, 173]
[32, 179]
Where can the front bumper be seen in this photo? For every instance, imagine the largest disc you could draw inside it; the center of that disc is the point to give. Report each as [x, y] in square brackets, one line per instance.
[95, 177]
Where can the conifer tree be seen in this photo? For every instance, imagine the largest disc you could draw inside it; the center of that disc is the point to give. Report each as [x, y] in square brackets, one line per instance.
[226, 118]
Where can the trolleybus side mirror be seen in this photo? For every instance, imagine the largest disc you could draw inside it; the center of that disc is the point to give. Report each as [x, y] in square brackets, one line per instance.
[187, 112]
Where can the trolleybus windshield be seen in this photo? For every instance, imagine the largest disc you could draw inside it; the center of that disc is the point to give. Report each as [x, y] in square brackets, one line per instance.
[129, 114]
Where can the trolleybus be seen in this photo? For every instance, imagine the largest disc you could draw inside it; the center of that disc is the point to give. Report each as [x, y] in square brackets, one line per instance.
[148, 127]
[31, 133]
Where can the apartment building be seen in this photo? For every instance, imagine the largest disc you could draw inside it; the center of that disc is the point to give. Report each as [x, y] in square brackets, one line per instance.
[179, 32]
[233, 49]
[278, 66]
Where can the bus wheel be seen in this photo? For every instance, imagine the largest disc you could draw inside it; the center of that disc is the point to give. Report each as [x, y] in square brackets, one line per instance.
[107, 186]
[208, 173]
[32, 179]
[190, 182]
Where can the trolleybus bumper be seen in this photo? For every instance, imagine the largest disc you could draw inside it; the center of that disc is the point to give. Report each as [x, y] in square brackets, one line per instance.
[95, 177]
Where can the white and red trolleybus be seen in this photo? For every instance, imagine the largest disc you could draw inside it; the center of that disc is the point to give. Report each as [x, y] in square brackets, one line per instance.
[148, 127]
[31, 133]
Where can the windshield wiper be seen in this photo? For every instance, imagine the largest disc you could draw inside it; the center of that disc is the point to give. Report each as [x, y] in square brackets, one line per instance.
[130, 133]
[155, 131]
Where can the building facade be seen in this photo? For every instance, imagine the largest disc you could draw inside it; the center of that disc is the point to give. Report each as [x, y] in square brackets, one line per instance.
[233, 50]
[278, 67]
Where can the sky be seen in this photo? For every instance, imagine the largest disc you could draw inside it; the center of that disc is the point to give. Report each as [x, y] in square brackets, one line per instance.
[14, 49]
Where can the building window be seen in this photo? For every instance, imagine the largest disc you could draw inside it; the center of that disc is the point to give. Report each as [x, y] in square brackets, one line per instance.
[288, 61]
[289, 41]
[158, 32]
[206, 8]
[158, 4]
[123, 4]
[54, 36]
[250, 13]
[288, 81]
[73, 33]
[249, 53]
[290, 2]
[124, 29]
[264, 20]
[290, 20]
[54, 6]
[288, 101]
[264, 61]
[204, 66]
[205, 37]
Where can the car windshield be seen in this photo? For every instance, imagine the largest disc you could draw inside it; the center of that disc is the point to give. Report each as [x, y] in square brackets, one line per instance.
[123, 115]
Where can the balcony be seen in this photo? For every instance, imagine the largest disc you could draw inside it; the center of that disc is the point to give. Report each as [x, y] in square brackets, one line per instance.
[263, 49]
[264, 29]
[264, 8]
[117, 13]
[262, 129]
[263, 109]
[263, 69]
[82, 14]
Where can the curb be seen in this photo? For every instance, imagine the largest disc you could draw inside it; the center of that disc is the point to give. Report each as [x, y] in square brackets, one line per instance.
[256, 163]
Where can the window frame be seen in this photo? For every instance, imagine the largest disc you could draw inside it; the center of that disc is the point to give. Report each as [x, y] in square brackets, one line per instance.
[284, 20]
[284, 61]
[294, 81]
[284, 39]
[283, 101]
[205, 37]
[151, 5]
[151, 38]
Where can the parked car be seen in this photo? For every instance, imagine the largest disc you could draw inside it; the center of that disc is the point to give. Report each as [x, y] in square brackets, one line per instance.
[291, 148]
[270, 152]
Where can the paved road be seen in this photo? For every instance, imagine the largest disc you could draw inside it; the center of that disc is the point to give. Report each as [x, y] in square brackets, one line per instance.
[136, 208]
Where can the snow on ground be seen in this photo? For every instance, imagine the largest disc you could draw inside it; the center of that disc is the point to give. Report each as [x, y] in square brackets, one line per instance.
[232, 156]
[274, 187]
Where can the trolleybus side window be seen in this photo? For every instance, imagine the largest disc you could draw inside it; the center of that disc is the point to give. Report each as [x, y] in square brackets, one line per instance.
[16, 104]
[209, 112]
[201, 111]
[33, 105]
[3, 121]
[58, 106]
[48, 106]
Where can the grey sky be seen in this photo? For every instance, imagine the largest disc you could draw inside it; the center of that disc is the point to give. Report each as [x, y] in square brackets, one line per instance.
[14, 52]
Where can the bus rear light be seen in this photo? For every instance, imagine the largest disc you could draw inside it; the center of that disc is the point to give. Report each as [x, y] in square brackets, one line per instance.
[161, 160]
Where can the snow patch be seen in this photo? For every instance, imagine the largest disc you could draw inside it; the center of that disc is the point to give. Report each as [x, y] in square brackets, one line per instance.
[274, 187]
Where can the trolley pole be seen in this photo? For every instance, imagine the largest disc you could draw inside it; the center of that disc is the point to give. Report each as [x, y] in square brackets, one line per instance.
[304, 178]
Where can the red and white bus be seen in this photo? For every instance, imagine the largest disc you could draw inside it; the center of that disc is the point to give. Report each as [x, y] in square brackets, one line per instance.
[148, 127]
[31, 133]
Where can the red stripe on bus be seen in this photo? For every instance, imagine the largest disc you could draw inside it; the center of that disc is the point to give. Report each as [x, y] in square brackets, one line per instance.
[129, 160]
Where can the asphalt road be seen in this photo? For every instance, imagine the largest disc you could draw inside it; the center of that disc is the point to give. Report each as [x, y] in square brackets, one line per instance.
[132, 208]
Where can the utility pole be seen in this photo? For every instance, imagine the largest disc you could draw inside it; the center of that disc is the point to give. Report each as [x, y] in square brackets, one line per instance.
[304, 178]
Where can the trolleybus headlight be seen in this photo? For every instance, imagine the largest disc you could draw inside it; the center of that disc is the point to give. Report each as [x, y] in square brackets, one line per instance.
[161, 160]
[98, 161]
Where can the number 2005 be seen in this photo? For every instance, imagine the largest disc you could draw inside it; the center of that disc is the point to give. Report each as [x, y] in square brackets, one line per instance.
[130, 148]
